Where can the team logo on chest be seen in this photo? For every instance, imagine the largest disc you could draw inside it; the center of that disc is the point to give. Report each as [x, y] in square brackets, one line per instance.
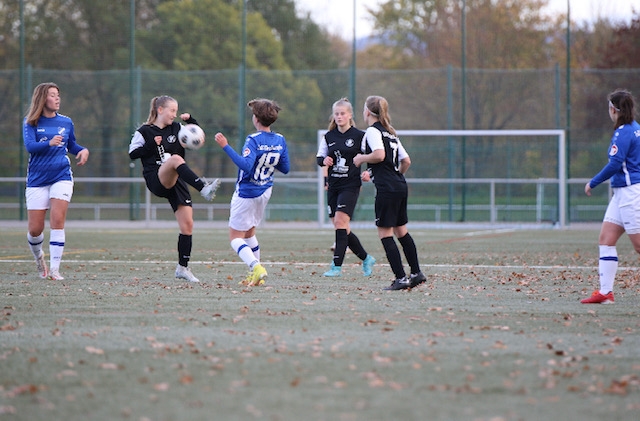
[171, 138]
[349, 143]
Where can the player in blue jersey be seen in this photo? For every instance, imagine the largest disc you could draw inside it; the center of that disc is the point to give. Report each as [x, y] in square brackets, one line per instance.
[263, 153]
[49, 137]
[388, 161]
[336, 151]
[623, 213]
[167, 174]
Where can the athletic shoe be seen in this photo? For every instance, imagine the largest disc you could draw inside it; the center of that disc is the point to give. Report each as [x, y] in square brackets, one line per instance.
[367, 265]
[209, 189]
[334, 271]
[256, 276]
[417, 278]
[183, 272]
[597, 298]
[54, 275]
[42, 266]
[401, 283]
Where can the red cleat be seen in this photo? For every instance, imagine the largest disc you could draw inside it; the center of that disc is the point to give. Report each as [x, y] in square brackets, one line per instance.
[598, 298]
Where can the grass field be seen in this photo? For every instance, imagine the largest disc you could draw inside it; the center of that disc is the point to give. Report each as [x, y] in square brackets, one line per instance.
[497, 333]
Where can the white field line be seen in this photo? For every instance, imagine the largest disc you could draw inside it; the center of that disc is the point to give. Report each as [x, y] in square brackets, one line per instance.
[277, 263]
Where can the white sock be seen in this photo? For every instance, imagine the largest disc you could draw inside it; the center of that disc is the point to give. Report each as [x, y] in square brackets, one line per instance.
[607, 268]
[56, 247]
[35, 244]
[252, 242]
[244, 252]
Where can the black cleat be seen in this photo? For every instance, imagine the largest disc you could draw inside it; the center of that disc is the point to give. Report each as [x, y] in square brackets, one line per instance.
[401, 283]
[416, 279]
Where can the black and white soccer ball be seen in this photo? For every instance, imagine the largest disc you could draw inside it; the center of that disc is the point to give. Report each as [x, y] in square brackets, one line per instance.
[191, 136]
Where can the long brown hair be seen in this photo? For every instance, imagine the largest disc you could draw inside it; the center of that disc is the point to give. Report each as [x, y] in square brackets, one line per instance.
[379, 108]
[342, 102]
[157, 102]
[38, 101]
[624, 104]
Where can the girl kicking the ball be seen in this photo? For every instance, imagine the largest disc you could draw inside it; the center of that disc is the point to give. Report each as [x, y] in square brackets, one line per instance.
[166, 173]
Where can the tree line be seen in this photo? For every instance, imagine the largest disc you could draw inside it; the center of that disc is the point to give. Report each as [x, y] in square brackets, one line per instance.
[192, 49]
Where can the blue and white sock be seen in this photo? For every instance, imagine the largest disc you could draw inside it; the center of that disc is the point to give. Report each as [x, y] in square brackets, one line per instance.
[255, 247]
[35, 244]
[56, 248]
[607, 268]
[244, 252]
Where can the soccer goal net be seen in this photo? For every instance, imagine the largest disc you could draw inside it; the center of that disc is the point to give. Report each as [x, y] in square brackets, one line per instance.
[492, 176]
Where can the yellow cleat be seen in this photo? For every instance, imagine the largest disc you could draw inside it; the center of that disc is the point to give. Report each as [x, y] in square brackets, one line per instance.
[256, 277]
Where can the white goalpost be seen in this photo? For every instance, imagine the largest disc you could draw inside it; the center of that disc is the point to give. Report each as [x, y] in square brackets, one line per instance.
[560, 180]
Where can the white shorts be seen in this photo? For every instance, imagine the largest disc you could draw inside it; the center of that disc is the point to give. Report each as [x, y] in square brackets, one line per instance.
[246, 213]
[38, 198]
[624, 208]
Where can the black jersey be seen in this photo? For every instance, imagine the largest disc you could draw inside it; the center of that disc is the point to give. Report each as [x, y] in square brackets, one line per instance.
[386, 174]
[342, 147]
[143, 145]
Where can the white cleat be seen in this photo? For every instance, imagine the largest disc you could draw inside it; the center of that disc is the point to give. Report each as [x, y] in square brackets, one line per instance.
[183, 272]
[209, 189]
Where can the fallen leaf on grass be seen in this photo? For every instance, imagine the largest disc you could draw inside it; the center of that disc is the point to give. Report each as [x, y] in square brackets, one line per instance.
[617, 387]
[94, 350]
[7, 409]
[109, 366]
[161, 387]
[21, 390]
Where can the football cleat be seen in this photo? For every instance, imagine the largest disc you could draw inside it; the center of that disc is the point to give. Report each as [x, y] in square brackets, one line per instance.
[183, 272]
[256, 276]
[367, 265]
[54, 275]
[417, 278]
[334, 271]
[598, 298]
[398, 284]
[209, 189]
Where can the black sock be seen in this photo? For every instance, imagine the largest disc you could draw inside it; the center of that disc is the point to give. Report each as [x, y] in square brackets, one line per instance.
[356, 247]
[185, 173]
[341, 247]
[393, 256]
[184, 249]
[410, 252]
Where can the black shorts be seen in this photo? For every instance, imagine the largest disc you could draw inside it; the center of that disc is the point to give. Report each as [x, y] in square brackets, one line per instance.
[176, 195]
[343, 200]
[391, 209]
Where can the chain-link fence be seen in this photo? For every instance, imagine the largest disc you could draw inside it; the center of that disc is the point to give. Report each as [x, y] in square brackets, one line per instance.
[107, 106]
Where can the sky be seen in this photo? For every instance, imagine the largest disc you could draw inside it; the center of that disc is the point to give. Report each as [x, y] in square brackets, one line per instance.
[337, 15]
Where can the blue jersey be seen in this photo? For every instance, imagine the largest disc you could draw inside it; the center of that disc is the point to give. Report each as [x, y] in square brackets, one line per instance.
[49, 164]
[262, 154]
[624, 158]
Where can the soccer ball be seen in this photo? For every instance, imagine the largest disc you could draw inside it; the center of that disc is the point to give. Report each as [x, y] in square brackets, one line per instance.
[191, 136]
